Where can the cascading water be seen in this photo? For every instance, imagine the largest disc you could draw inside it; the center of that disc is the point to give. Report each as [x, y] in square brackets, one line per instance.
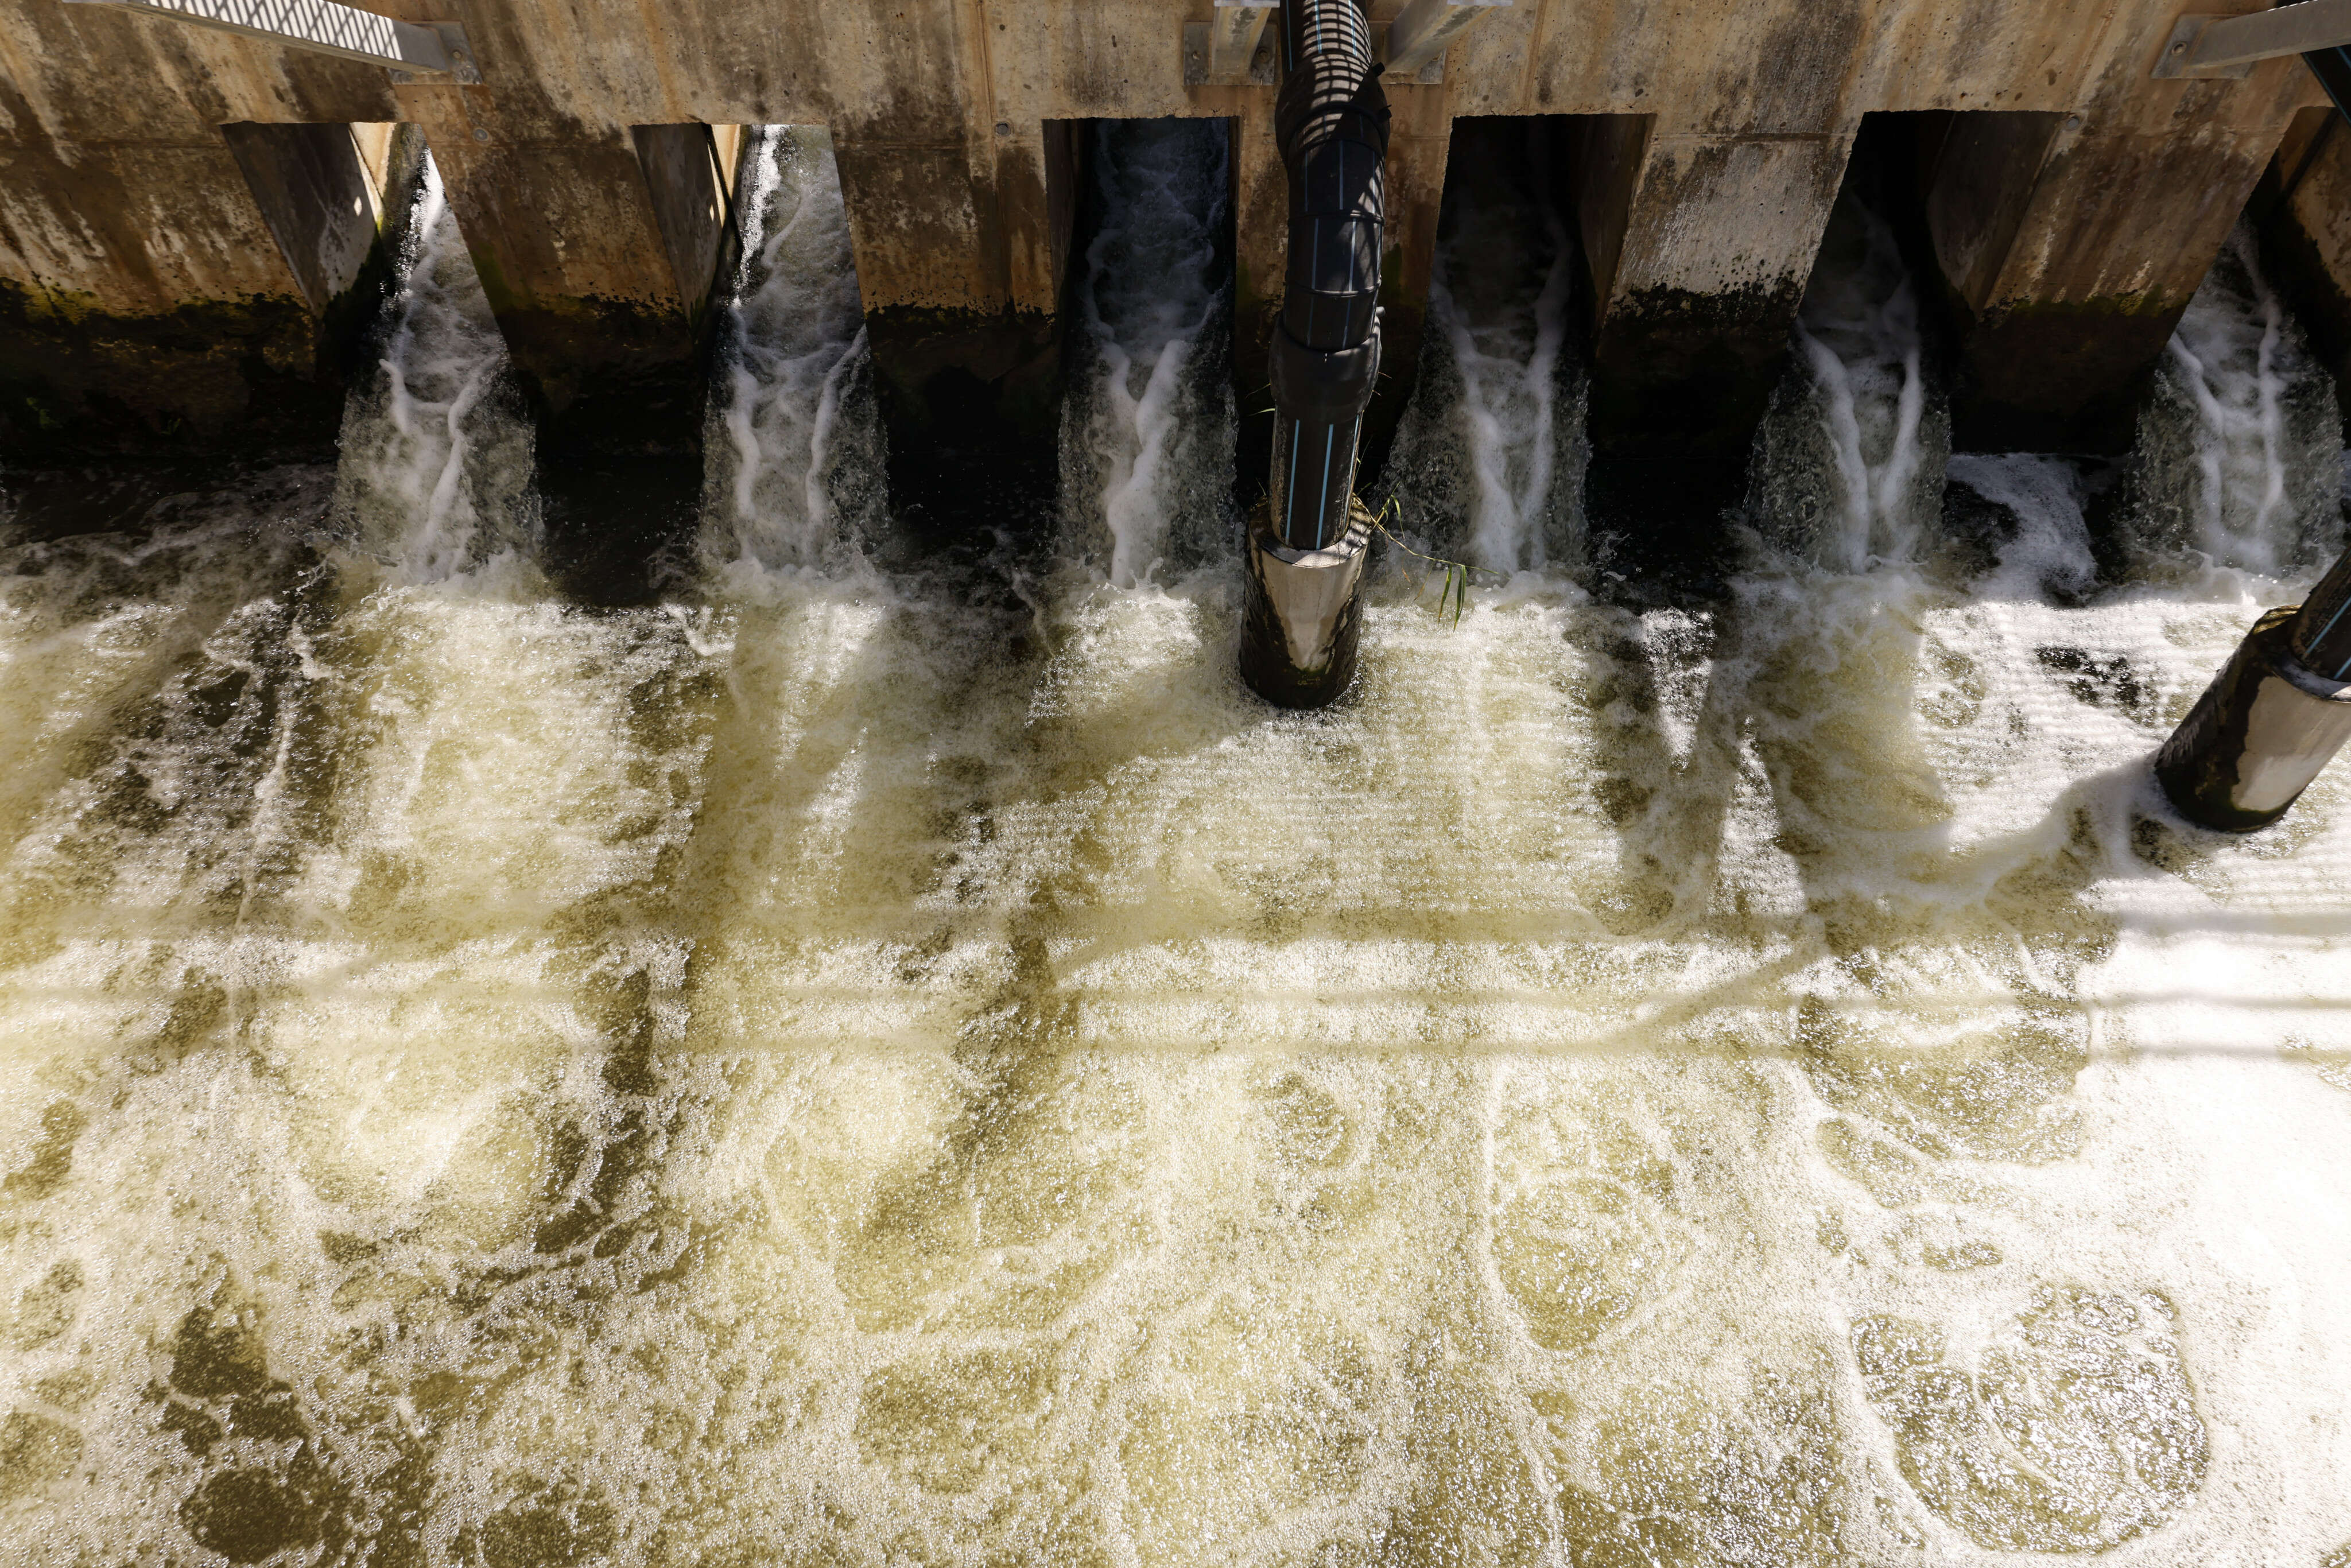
[1855, 444]
[2236, 456]
[1147, 434]
[1491, 459]
[830, 1070]
[797, 466]
[436, 452]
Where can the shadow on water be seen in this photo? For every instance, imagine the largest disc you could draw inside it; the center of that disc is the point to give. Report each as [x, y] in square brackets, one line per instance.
[619, 533]
[134, 498]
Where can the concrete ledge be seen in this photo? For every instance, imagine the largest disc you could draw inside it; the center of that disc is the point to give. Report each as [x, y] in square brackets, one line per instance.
[165, 357]
[77, 380]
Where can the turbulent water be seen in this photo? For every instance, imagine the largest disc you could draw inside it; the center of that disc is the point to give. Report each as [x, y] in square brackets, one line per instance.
[825, 1070]
[796, 475]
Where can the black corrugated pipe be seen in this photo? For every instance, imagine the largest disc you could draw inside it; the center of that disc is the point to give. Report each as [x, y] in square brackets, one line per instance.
[1308, 542]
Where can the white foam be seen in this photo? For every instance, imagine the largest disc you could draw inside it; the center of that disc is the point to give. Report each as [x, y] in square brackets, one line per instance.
[805, 1074]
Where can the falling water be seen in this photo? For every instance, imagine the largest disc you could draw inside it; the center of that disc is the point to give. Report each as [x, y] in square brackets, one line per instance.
[795, 455]
[831, 1069]
[437, 452]
[1491, 454]
[1857, 441]
[1147, 434]
[2236, 452]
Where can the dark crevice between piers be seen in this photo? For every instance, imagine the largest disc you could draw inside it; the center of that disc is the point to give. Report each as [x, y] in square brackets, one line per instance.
[620, 454]
[972, 402]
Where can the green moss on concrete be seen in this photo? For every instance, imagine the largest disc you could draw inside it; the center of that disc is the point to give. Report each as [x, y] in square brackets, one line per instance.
[2059, 375]
[77, 379]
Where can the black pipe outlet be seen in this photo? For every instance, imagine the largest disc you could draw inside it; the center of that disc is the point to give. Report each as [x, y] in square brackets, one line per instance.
[1331, 125]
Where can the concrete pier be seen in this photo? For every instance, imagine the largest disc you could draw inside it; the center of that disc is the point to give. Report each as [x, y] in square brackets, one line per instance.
[181, 261]
[962, 242]
[598, 254]
[160, 281]
[1697, 248]
[2069, 244]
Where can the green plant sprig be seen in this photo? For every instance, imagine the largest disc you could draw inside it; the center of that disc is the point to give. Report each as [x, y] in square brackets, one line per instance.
[1456, 572]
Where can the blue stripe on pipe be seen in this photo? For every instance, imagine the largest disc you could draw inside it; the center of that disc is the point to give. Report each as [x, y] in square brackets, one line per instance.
[1313, 281]
[2314, 641]
[1322, 513]
[2329, 628]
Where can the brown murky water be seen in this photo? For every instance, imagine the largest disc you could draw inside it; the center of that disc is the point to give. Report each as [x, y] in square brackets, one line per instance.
[817, 1072]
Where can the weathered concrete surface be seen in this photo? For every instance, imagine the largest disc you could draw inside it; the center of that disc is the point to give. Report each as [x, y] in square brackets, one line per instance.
[2069, 244]
[962, 251]
[2306, 200]
[166, 282]
[1699, 248]
[941, 112]
[194, 266]
[567, 234]
[173, 345]
[689, 171]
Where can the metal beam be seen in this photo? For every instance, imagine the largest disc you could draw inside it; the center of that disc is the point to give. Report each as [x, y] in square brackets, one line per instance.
[1417, 38]
[421, 48]
[2232, 46]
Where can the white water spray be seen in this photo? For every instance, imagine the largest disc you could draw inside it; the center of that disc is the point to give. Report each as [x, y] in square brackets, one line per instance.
[815, 1076]
[436, 467]
[1510, 385]
[2049, 550]
[1860, 417]
[2239, 450]
[1494, 445]
[796, 464]
[1147, 436]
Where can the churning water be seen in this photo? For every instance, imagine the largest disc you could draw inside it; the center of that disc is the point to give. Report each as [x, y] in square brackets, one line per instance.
[821, 1073]
[796, 469]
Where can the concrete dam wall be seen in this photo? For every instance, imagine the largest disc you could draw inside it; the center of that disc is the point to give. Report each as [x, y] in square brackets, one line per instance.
[192, 221]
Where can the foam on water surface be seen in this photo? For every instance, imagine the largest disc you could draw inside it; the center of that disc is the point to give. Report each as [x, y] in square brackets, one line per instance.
[829, 1070]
